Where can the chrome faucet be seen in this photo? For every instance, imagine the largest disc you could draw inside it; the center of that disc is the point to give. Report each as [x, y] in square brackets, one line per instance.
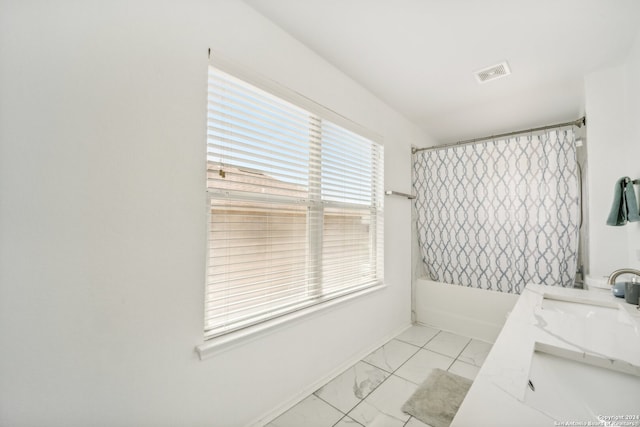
[613, 276]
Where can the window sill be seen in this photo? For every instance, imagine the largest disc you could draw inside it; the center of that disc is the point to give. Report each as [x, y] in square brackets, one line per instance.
[231, 340]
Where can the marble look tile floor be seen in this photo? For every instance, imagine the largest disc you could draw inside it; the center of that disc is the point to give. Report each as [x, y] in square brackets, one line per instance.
[372, 391]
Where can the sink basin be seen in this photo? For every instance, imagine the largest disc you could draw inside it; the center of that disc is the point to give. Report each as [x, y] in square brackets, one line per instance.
[581, 308]
[589, 326]
[567, 385]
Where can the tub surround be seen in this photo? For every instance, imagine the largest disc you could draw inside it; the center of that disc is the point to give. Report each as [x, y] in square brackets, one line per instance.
[571, 325]
[467, 311]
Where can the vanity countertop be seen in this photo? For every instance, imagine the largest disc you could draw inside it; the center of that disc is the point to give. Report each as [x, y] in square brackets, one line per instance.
[503, 390]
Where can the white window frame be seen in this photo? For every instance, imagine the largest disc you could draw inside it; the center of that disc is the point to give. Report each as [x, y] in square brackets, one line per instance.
[212, 345]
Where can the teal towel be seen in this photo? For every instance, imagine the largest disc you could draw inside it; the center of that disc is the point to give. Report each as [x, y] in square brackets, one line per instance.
[625, 205]
[631, 203]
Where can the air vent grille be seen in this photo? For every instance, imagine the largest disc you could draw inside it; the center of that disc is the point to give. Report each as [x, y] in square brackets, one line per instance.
[492, 73]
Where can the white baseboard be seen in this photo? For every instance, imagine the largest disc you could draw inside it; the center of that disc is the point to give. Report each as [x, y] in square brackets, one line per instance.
[296, 398]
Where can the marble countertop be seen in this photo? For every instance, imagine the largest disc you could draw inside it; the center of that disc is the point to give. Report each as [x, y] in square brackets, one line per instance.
[497, 396]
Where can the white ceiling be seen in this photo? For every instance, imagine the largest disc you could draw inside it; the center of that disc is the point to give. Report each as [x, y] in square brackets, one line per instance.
[419, 55]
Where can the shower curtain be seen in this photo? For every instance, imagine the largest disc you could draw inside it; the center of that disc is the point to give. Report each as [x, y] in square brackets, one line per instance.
[500, 214]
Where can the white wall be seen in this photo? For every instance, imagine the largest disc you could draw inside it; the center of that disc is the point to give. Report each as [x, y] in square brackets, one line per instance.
[633, 143]
[613, 138]
[102, 217]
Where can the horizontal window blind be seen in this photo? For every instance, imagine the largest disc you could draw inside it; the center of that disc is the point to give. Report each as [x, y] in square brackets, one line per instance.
[295, 207]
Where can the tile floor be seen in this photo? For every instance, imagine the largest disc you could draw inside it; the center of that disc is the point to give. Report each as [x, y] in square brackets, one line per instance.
[372, 391]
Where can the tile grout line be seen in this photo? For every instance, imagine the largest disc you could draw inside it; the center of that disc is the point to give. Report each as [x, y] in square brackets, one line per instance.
[404, 363]
[458, 356]
[464, 348]
[364, 398]
[345, 416]
[419, 348]
[339, 410]
[428, 341]
[377, 367]
[411, 417]
[392, 373]
[442, 354]
[432, 338]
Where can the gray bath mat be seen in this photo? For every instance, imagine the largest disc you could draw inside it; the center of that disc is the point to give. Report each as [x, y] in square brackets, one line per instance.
[438, 398]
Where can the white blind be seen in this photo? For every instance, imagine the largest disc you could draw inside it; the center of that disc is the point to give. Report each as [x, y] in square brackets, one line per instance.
[295, 207]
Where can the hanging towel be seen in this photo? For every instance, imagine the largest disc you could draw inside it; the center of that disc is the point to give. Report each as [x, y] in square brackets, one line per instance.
[625, 205]
[631, 203]
[618, 214]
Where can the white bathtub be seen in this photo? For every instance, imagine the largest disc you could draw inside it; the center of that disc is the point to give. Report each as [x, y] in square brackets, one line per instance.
[472, 312]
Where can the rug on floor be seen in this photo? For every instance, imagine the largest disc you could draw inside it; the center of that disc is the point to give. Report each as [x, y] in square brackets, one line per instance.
[438, 398]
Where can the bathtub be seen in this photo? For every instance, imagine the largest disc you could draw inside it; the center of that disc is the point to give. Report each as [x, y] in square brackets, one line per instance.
[472, 312]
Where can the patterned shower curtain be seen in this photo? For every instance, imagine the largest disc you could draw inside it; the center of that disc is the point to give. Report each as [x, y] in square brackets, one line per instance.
[500, 214]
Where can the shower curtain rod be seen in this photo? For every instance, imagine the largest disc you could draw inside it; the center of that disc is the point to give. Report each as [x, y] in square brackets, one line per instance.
[579, 123]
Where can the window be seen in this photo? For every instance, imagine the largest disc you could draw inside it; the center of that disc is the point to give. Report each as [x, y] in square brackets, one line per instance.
[295, 206]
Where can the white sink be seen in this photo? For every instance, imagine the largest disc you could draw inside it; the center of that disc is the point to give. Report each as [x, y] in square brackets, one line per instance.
[581, 308]
[572, 386]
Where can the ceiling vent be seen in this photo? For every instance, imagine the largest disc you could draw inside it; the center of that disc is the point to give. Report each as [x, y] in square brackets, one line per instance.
[492, 73]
